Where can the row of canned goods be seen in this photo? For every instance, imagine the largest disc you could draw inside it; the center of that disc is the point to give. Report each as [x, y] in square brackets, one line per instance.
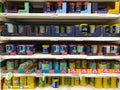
[59, 65]
[56, 82]
[60, 49]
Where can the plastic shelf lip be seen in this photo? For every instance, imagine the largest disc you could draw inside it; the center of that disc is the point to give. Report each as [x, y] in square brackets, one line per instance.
[59, 16]
[12, 38]
[45, 56]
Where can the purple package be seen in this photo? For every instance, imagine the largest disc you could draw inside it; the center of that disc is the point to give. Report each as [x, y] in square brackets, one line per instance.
[96, 10]
[63, 49]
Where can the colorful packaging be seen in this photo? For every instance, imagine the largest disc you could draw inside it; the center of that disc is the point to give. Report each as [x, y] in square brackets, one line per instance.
[56, 65]
[45, 49]
[45, 65]
[98, 82]
[114, 82]
[42, 82]
[73, 49]
[30, 81]
[70, 81]
[80, 49]
[72, 64]
[55, 82]
[55, 49]
[63, 49]
[77, 64]
[77, 81]
[63, 65]
[10, 65]
[21, 49]
[30, 49]
[84, 81]
[62, 81]
[23, 81]
[15, 81]
[84, 64]
[10, 49]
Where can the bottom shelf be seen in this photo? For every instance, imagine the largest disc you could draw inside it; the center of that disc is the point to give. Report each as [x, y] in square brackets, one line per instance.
[68, 88]
[73, 88]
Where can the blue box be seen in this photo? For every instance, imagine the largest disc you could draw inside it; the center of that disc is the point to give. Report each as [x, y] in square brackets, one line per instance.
[81, 49]
[55, 49]
[85, 30]
[10, 49]
[13, 30]
[111, 30]
[30, 49]
[63, 8]
[92, 50]
[62, 31]
[73, 49]
[87, 8]
[39, 30]
[63, 49]
[110, 50]
[21, 49]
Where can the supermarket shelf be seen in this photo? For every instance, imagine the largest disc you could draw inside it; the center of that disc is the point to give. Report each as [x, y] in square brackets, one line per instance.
[20, 38]
[62, 0]
[46, 56]
[59, 16]
[73, 88]
[65, 75]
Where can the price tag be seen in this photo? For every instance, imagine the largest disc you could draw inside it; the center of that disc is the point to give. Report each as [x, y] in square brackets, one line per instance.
[84, 71]
[27, 72]
[9, 75]
[73, 71]
[117, 71]
[38, 71]
[75, 75]
[51, 71]
[106, 71]
[94, 71]
[63, 71]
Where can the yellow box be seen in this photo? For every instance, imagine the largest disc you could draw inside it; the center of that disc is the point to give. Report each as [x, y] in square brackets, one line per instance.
[22, 81]
[116, 10]
[15, 81]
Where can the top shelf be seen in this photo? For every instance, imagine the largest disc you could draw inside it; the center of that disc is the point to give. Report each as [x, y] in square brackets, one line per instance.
[63, 0]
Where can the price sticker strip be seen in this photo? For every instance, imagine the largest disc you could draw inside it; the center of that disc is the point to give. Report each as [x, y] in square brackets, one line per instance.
[93, 71]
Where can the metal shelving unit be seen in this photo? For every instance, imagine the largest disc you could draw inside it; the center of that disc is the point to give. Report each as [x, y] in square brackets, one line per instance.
[37, 17]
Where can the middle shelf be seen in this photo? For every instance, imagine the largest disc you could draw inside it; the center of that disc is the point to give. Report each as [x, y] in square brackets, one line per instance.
[46, 56]
[29, 38]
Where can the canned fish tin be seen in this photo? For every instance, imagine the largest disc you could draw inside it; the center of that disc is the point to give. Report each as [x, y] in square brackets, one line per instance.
[23, 81]
[55, 82]
[42, 82]
[16, 81]
[72, 64]
[78, 64]
[10, 65]
[92, 64]
[80, 49]
[84, 64]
